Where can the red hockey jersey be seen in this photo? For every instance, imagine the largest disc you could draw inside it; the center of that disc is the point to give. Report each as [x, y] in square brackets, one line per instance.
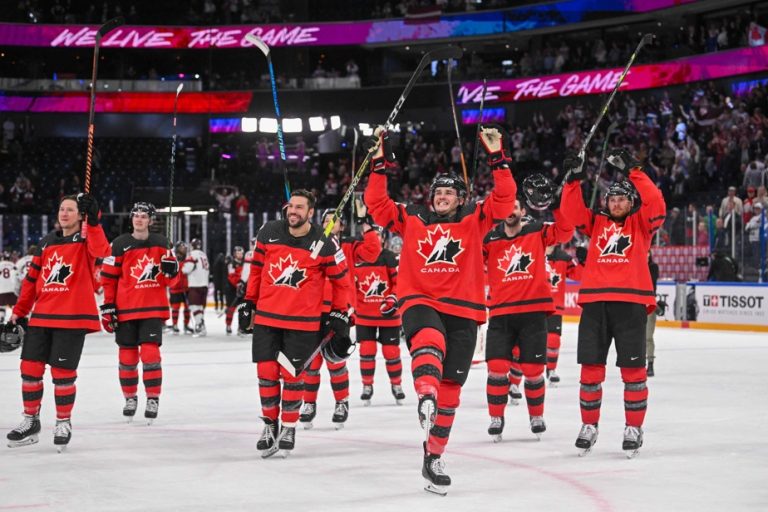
[365, 248]
[441, 264]
[60, 284]
[560, 266]
[234, 272]
[517, 274]
[132, 279]
[374, 281]
[286, 284]
[180, 284]
[617, 260]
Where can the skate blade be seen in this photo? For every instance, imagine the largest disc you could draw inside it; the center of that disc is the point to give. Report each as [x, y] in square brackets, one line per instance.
[538, 435]
[552, 384]
[366, 403]
[128, 419]
[440, 490]
[24, 442]
[631, 453]
[269, 452]
[307, 425]
[514, 401]
[339, 426]
[496, 438]
[584, 451]
[398, 402]
[61, 448]
[150, 421]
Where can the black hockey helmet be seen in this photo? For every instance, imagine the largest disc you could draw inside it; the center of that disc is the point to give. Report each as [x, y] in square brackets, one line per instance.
[448, 180]
[5, 256]
[11, 337]
[196, 244]
[238, 248]
[539, 191]
[622, 188]
[338, 349]
[145, 207]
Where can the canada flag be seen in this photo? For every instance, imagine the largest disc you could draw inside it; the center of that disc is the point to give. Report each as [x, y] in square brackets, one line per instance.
[145, 270]
[613, 242]
[515, 261]
[373, 286]
[440, 247]
[286, 272]
[56, 272]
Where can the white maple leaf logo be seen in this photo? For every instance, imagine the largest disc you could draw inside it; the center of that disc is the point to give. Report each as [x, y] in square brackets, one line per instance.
[373, 286]
[286, 272]
[145, 270]
[613, 242]
[58, 272]
[440, 247]
[515, 261]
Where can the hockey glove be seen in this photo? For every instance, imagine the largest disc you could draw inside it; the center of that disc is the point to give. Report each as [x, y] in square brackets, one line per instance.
[581, 255]
[621, 159]
[109, 317]
[88, 206]
[661, 308]
[245, 316]
[388, 306]
[573, 164]
[383, 157]
[496, 145]
[338, 322]
[240, 290]
[169, 266]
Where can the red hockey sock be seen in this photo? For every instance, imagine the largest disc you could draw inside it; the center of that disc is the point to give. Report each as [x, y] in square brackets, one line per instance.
[534, 388]
[186, 315]
[153, 370]
[635, 395]
[175, 313]
[427, 353]
[553, 350]
[312, 379]
[339, 379]
[269, 388]
[367, 361]
[591, 392]
[394, 365]
[230, 313]
[64, 391]
[32, 385]
[293, 390]
[515, 373]
[447, 403]
[128, 370]
[497, 386]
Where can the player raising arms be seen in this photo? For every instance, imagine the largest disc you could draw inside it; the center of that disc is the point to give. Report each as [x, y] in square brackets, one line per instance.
[616, 291]
[440, 283]
[59, 290]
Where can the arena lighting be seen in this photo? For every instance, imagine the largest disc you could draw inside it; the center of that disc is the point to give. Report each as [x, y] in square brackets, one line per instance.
[176, 209]
[268, 125]
[249, 124]
[292, 125]
[316, 124]
[335, 122]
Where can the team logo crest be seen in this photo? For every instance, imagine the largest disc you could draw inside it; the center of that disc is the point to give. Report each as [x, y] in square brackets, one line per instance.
[58, 272]
[440, 247]
[145, 270]
[515, 261]
[613, 242]
[286, 272]
[373, 286]
[554, 277]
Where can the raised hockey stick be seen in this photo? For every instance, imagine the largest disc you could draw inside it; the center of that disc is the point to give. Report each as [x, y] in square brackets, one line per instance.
[444, 53]
[646, 39]
[477, 133]
[611, 128]
[169, 227]
[456, 122]
[103, 30]
[261, 45]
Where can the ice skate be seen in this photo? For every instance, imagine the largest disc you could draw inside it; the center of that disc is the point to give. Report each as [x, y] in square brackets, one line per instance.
[633, 440]
[538, 426]
[200, 331]
[229, 331]
[514, 394]
[26, 433]
[340, 414]
[427, 412]
[366, 395]
[587, 438]
[188, 330]
[150, 412]
[433, 471]
[62, 433]
[398, 393]
[286, 441]
[496, 428]
[308, 413]
[649, 371]
[129, 409]
[171, 329]
[267, 443]
[553, 377]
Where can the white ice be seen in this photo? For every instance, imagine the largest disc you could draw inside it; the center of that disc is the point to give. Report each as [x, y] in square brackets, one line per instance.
[705, 447]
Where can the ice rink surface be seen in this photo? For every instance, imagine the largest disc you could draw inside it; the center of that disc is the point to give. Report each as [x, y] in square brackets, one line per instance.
[706, 446]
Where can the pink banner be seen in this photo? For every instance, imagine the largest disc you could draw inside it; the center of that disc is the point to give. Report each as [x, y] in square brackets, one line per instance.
[131, 102]
[690, 69]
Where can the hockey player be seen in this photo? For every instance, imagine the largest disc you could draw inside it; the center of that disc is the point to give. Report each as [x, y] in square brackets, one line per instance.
[560, 266]
[196, 268]
[234, 290]
[59, 291]
[440, 286]
[22, 264]
[9, 283]
[284, 297]
[519, 303]
[135, 278]
[178, 291]
[616, 292]
[355, 250]
[377, 319]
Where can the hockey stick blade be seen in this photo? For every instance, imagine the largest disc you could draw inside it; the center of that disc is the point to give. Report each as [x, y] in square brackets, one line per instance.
[256, 41]
[288, 365]
[110, 26]
[647, 39]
